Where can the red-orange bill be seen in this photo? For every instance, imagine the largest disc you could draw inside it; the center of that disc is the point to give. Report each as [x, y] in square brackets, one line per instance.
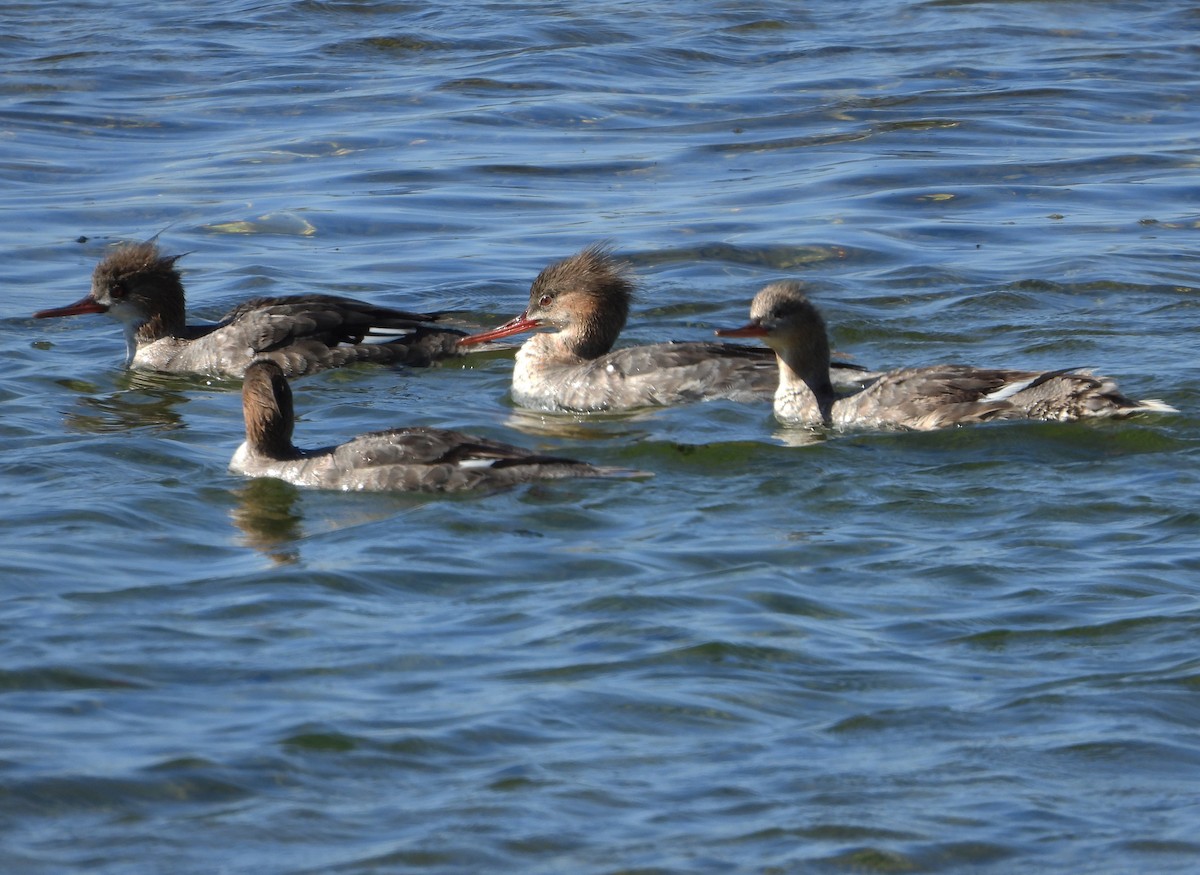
[512, 326]
[751, 330]
[87, 305]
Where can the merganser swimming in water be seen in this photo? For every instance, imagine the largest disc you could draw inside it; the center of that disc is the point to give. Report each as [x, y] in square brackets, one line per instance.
[587, 297]
[409, 459]
[301, 333]
[913, 398]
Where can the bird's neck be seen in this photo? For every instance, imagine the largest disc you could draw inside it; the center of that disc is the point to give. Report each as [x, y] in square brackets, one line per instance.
[805, 392]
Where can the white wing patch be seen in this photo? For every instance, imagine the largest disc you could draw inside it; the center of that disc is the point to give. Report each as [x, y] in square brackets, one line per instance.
[1009, 389]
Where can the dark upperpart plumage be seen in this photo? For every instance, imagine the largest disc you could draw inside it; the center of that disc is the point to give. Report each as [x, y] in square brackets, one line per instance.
[142, 288]
[914, 398]
[413, 459]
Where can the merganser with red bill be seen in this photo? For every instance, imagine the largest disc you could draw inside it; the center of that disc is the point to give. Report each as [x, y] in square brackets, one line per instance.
[914, 398]
[142, 289]
[586, 298]
[404, 459]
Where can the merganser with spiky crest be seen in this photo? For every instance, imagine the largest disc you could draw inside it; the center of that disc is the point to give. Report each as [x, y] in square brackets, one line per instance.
[587, 298]
[142, 289]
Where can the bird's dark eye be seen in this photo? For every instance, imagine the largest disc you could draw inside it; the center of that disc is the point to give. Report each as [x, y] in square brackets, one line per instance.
[118, 289]
[544, 300]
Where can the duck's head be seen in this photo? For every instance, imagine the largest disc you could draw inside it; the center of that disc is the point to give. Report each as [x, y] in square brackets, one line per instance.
[785, 320]
[267, 407]
[135, 285]
[586, 297]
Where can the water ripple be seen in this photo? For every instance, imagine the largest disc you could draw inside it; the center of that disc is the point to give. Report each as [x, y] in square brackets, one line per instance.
[963, 650]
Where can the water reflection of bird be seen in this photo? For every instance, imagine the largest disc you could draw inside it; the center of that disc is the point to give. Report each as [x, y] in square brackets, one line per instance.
[142, 401]
[270, 522]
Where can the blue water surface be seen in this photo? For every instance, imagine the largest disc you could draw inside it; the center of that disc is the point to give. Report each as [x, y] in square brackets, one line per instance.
[966, 651]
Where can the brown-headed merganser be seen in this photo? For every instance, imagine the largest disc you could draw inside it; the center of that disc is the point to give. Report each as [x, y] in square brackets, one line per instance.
[587, 297]
[913, 398]
[302, 333]
[404, 459]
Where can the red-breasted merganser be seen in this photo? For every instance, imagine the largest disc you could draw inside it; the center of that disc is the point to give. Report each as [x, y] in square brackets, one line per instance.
[403, 459]
[913, 398]
[301, 333]
[587, 297]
